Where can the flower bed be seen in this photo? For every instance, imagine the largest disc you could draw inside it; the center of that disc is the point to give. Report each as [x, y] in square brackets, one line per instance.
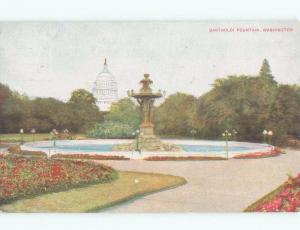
[187, 158]
[16, 149]
[88, 157]
[4, 144]
[286, 198]
[21, 177]
[272, 153]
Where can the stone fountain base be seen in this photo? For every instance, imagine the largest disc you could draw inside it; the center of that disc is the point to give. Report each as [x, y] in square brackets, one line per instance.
[149, 143]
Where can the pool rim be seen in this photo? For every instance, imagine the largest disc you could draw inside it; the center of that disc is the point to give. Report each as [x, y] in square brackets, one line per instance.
[259, 147]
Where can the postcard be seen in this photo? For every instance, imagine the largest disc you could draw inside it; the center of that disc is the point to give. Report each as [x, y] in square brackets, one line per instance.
[150, 117]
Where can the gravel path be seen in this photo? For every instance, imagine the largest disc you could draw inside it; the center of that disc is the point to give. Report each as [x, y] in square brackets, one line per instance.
[213, 186]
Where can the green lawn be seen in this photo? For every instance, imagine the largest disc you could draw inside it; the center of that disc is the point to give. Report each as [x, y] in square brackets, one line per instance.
[16, 137]
[95, 197]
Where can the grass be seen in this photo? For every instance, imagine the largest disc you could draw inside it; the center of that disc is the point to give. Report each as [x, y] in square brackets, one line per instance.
[16, 137]
[93, 198]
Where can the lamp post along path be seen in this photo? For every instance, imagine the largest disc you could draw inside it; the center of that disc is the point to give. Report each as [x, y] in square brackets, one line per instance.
[227, 136]
[21, 133]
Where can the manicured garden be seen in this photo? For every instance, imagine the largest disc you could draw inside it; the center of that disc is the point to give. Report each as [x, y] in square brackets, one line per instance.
[286, 198]
[93, 198]
[24, 177]
[27, 137]
[16, 137]
[40, 184]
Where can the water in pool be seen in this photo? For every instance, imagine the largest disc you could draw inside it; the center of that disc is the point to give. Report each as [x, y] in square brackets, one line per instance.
[109, 147]
[212, 148]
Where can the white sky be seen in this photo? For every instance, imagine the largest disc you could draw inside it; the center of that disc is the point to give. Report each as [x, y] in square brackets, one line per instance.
[52, 59]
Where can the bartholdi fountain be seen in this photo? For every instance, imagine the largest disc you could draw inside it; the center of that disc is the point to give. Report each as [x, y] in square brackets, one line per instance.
[146, 140]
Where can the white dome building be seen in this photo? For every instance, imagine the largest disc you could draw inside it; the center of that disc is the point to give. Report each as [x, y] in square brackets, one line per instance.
[105, 89]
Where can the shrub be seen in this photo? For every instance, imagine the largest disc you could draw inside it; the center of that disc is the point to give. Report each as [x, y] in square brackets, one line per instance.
[109, 129]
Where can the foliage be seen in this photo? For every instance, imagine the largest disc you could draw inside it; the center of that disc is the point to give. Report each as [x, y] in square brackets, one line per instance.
[242, 103]
[129, 185]
[16, 137]
[120, 122]
[20, 177]
[285, 113]
[5, 93]
[109, 129]
[175, 115]
[265, 71]
[82, 96]
[248, 104]
[126, 112]
[44, 114]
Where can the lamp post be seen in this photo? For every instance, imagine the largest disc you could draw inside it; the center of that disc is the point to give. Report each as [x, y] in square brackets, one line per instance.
[265, 133]
[227, 136]
[234, 133]
[54, 133]
[193, 132]
[21, 133]
[270, 134]
[66, 134]
[33, 132]
[136, 134]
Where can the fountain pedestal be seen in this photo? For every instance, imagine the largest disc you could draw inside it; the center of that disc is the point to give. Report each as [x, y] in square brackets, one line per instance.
[147, 130]
[149, 143]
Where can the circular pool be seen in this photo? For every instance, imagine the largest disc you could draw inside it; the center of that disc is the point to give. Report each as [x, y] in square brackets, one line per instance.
[105, 146]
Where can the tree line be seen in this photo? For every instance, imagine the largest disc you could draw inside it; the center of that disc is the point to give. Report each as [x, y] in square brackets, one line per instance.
[247, 104]
[44, 114]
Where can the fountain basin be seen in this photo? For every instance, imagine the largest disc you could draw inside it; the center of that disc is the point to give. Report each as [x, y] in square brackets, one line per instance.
[105, 147]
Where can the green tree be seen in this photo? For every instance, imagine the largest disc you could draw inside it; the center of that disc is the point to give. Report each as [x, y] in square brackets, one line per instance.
[242, 103]
[84, 112]
[111, 129]
[285, 113]
[124, 111]
[5, 94]
[82, 96]
[175, 116]
[265, 71]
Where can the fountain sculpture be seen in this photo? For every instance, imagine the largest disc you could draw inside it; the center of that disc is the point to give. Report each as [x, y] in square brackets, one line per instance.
[147, 140]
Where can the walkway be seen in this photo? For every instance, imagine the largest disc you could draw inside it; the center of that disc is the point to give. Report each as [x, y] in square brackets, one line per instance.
[213, 186]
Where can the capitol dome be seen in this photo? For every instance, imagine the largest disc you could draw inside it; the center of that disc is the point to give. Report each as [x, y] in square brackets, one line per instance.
[105, 89]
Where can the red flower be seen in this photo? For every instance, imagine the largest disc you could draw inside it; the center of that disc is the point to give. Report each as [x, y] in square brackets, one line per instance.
[23, 176]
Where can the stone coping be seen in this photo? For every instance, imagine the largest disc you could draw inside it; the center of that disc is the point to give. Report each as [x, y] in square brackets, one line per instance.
[255, 147]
